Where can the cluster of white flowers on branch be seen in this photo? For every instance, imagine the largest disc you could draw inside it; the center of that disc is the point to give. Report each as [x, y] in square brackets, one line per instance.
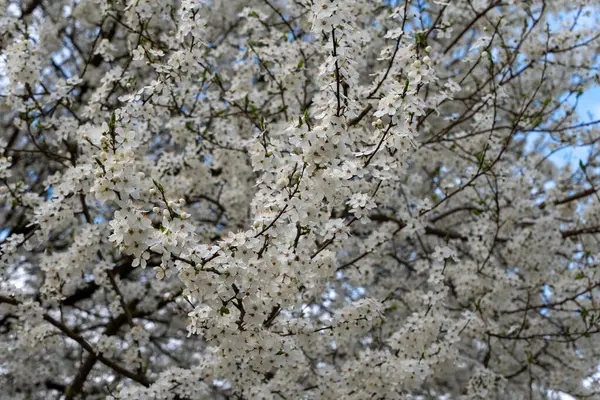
[298, 199]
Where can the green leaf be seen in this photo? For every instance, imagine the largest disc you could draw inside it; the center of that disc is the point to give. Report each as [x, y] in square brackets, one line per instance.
[158, 185]
[112, 122]
[391, 308]
[480, 158]
[224, 310]
[405, 88]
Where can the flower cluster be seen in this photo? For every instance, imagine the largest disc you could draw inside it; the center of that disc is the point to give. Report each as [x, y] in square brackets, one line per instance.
[269, 199]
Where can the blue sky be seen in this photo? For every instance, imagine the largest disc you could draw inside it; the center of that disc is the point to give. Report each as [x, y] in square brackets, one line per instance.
[590, 102]
[588, 110]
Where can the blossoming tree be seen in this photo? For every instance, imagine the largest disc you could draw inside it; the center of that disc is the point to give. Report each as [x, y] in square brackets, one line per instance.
[298, 199]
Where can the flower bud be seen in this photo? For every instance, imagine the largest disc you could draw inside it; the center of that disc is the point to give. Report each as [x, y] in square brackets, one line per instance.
[378, 123]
